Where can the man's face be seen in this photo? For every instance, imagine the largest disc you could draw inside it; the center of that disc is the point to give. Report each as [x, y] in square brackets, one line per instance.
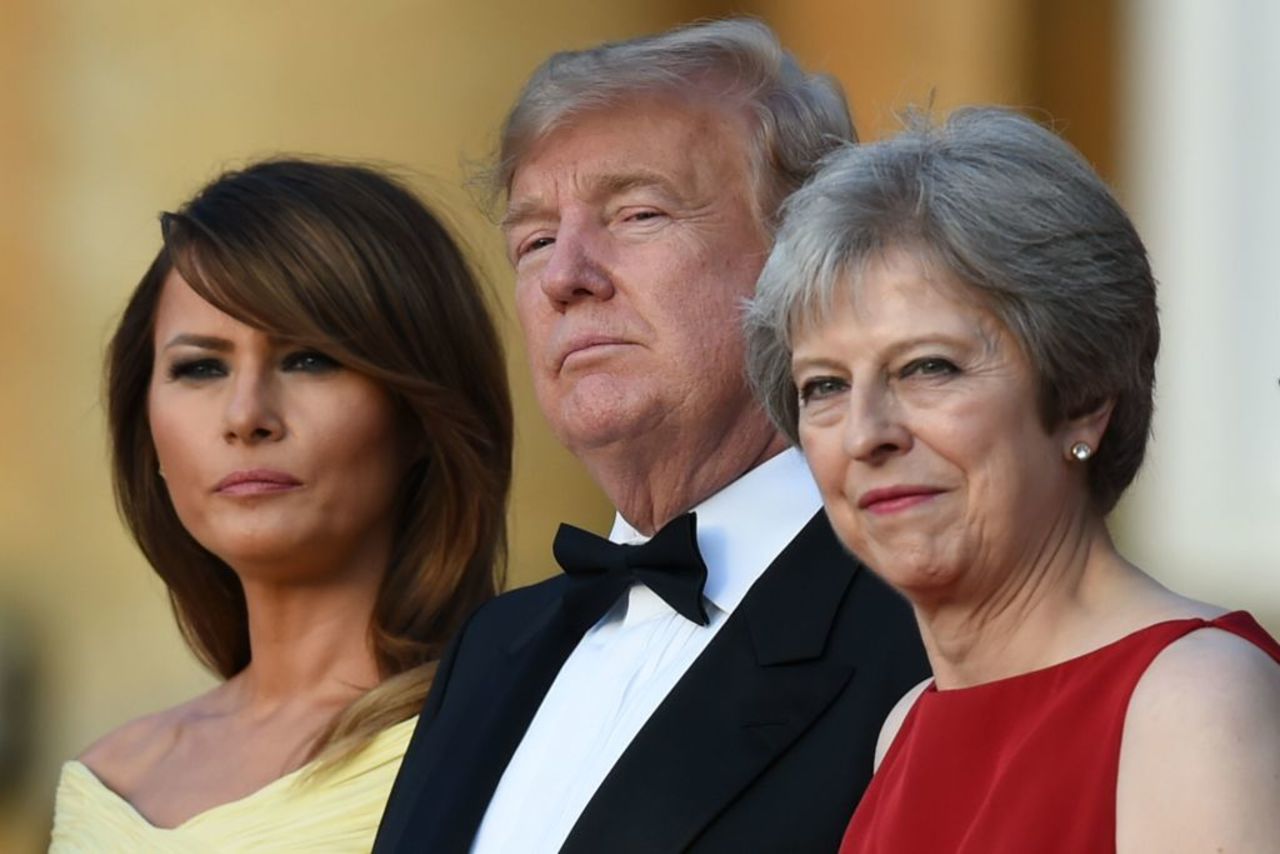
[634, 237]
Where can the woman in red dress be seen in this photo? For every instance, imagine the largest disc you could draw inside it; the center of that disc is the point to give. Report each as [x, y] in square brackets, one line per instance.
[959, 327]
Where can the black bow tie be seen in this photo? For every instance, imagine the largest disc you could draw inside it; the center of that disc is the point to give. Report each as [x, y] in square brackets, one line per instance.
[669, 564]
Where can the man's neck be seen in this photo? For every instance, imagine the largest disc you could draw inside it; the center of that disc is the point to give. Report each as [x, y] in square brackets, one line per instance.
[651, 490]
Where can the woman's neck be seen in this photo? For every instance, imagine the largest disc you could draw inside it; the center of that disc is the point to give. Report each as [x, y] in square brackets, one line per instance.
[1043, 608]
[309, 645]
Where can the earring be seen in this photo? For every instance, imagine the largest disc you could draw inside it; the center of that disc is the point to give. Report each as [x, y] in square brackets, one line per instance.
[1081, 451]
[160, 471]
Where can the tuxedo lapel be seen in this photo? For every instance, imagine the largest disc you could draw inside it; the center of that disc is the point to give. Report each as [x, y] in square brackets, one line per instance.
[757, 687]
[472, 746]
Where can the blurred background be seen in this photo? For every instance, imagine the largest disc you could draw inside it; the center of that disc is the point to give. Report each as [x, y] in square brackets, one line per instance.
[113, 110]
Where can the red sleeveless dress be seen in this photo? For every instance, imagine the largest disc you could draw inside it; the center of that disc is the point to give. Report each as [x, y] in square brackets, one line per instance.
[1027, 763]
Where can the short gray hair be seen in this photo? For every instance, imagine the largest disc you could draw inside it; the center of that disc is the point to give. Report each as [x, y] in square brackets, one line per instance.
[799, 116]
[1013, 212]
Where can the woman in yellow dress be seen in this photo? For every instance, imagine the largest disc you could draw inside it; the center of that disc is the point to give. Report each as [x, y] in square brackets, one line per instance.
[311, 438]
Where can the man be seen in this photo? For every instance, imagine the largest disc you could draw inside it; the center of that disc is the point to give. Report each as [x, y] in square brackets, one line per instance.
[592, 712]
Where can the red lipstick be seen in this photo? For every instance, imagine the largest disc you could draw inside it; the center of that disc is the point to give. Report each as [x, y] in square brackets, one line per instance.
[895, 498]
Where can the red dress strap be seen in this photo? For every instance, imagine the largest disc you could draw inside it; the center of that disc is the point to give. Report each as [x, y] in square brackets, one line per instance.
[1241, 623]
[1027, 763]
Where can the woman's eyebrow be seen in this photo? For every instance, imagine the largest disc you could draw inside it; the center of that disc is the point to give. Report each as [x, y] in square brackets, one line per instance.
[205, 342]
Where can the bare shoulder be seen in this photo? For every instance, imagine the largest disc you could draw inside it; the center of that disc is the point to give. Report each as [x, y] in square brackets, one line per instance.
[1200, 755]
[1209, 671]
[897, 715]
[125, 755]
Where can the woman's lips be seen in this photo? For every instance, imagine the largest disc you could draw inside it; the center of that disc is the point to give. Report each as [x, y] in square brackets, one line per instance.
[896, 498]
[256, 482]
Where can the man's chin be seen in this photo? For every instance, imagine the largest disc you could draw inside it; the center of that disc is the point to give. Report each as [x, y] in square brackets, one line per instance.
[583, 436]
[586, 424]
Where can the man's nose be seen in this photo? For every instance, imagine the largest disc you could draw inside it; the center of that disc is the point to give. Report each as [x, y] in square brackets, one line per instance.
[252, 413]
[576, 268]
[873, 428]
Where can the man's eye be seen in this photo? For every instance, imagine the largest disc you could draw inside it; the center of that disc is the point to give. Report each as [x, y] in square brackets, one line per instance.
[534, 245]
[310, 361]
[197, 369]
[819, 388]
[930, 366]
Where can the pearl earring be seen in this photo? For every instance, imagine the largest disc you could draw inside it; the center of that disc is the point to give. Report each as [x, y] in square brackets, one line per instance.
[1081, 451]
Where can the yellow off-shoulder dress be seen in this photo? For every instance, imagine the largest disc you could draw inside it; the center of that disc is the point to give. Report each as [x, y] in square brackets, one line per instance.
[332, 812]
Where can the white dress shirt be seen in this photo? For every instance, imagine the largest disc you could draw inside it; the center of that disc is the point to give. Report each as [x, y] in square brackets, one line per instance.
[627, 663]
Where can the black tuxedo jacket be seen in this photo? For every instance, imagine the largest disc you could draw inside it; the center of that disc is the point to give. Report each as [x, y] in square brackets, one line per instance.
[765, 744]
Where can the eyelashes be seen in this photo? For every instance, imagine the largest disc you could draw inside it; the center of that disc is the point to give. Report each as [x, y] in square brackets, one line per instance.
[196, 369]
[929, 366]
[533, 245]
[204, 368]
[310, 361]
[925, 368]
[820, 387]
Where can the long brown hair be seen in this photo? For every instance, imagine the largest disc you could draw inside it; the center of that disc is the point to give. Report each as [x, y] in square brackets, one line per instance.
[345, 259]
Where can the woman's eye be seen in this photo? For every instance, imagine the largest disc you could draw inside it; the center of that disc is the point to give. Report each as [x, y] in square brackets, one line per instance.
[310, 361]
[930, 366]
[819, 388]
[197, 369]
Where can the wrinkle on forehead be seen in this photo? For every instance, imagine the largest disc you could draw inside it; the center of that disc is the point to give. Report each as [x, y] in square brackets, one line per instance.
[680, 122]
